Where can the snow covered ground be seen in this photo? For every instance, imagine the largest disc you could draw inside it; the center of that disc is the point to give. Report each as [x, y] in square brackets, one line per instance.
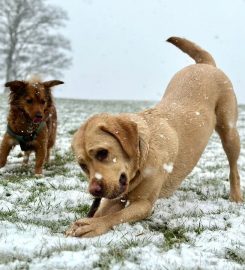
[197, 228]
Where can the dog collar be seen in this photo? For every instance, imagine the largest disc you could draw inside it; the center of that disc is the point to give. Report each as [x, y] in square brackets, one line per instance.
[25, 139]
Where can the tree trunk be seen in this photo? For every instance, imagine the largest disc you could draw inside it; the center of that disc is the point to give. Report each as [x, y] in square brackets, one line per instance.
[7, 77]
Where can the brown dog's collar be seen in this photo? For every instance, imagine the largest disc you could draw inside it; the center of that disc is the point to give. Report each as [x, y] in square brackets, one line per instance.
[24, 140]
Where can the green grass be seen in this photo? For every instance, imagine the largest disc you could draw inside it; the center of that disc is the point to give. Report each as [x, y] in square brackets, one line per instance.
[58, 226]
[17, 174]
[26, 260]
[81, 176]
[235, 256]
[116, 254]
[80, 210]
[54, 167]
[72, 131]
[8, 215]
[57, 165]
[112, 256]
[173, 237]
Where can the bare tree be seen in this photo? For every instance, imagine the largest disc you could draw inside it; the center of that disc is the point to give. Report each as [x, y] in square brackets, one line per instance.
[29, 41]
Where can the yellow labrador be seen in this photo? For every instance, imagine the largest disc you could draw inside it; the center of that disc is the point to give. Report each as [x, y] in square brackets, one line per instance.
[131, 160]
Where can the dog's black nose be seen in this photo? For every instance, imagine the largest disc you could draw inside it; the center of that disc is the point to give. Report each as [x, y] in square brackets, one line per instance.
[123, 179]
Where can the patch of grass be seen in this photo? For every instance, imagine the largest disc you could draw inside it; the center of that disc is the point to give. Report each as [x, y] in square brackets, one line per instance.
[8, 215]
[199, 229]
[60, 160]
[224, 196]
[173, 236]
[7, 258]
[112, 256]
[118, 254]
[57, 165]
[216, 189]
[81, 176]
[25, 260]
[17, 174]
[214, 167]
[198, 191]
[36, 191]
[235, 256]
[72, 131]
[60, 248]
[80, 210]
[55, 226]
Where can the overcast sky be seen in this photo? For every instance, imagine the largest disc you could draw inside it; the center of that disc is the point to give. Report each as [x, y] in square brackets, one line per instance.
[119, 49]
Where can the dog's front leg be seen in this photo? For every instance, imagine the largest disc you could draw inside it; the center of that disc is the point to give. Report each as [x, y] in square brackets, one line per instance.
[90, 227]
[40, 152]
[6, 145]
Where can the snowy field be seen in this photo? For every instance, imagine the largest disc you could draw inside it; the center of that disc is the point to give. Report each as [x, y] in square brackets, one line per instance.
[197, 228]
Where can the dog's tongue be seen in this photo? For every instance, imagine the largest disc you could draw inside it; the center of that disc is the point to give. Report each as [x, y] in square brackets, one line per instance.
[37, 120]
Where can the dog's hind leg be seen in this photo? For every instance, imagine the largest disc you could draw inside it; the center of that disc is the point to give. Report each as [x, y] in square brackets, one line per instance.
[226, 113]
[231, 144]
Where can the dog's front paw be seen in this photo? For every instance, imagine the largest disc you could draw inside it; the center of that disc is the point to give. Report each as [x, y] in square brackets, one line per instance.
[236, 197]
[88, 227]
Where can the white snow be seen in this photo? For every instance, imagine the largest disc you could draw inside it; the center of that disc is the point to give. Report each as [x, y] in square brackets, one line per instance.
[98, 176]
[168, 167]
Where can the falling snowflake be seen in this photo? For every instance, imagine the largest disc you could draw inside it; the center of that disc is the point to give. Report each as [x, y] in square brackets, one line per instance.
[168, 167]
[98, 176]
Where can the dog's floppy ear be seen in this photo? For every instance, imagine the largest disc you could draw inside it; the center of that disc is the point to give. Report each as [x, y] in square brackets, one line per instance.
[16, 86]
[126, 132]
[52, 83]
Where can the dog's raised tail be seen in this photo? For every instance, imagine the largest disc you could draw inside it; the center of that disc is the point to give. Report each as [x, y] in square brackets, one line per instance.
[194, 51]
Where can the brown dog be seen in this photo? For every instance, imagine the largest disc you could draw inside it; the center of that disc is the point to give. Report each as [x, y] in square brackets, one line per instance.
[133, 159]
[32, 121]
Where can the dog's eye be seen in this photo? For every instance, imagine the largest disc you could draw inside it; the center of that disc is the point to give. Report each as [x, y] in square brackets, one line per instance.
[101, 154]
[43, 102]
[84, 167]
[29, 101]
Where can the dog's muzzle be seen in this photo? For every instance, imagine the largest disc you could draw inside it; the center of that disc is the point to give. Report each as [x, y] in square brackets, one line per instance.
[96, 188]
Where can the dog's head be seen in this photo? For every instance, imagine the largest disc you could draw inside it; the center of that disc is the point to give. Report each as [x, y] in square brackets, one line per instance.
[108, 150]
[32, 97]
